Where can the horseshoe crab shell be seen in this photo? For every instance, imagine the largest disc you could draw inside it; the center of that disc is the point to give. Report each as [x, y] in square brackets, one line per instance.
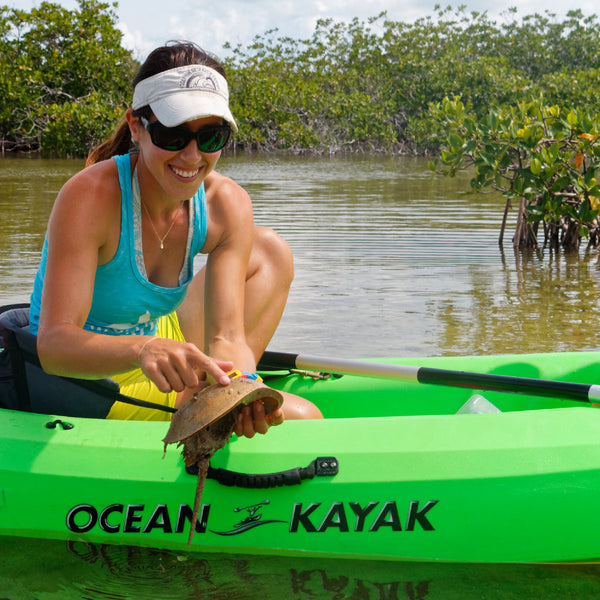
[216, 401]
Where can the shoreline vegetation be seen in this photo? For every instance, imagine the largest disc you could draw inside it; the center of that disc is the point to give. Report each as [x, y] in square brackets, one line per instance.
[515, 99]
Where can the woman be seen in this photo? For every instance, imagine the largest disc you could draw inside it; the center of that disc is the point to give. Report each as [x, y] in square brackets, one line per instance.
[115, 295]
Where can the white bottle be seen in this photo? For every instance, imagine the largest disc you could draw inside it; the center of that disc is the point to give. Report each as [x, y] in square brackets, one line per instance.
[477, 404]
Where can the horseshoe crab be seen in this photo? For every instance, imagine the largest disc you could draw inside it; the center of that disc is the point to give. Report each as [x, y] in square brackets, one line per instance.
[205, 423]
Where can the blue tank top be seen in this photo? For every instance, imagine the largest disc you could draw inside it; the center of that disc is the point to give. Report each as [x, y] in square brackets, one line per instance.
[124, 301]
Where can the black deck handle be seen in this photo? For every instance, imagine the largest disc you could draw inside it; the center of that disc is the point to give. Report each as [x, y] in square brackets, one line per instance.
[322, 466]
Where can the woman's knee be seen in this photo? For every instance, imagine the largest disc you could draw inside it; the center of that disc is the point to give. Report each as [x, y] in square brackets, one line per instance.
[296, 407]
[271, 250]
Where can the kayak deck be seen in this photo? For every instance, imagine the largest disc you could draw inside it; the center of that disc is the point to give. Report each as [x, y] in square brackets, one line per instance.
[358, 397]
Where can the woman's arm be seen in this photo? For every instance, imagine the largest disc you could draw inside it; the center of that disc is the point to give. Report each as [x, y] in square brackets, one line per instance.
[231, 234]
[229, 246]
[83, 232]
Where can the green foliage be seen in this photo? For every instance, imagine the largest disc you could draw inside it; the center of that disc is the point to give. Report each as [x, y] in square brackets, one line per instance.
[321, 94]
[71, 128]
[368, 85]
[545, 157]
[58, 65]
[351, 86]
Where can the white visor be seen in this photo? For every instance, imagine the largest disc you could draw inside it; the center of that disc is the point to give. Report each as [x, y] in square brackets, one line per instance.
[184, 94]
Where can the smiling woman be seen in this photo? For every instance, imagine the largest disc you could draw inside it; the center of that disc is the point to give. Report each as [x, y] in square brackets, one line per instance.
[115, 294]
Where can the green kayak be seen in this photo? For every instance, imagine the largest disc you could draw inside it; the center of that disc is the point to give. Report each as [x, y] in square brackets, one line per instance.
[401, 470]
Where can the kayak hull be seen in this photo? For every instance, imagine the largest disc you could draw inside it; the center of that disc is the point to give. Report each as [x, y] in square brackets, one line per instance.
[414, 480]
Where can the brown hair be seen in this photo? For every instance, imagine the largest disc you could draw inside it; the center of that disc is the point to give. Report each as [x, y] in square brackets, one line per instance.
[169, 56]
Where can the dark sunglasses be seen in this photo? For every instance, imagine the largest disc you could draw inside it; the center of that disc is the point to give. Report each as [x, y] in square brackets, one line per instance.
[209, 139]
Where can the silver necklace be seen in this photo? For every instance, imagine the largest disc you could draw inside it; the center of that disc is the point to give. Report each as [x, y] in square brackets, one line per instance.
[164, 237]
[137, 195]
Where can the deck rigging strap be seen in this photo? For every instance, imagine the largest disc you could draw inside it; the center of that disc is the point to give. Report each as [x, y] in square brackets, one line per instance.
[322, 466]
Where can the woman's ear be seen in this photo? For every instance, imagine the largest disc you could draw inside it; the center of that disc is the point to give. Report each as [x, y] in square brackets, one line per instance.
[134, 125]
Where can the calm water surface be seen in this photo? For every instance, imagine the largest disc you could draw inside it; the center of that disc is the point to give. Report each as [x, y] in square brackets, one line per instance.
[390, 261]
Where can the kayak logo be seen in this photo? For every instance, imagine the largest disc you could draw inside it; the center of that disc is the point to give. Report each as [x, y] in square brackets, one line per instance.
[343, 516]
[254, 519]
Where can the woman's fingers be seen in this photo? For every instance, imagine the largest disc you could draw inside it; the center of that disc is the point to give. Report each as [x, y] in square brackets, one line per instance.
[252, 420]
[175, 365]
[259, 417]
[167, 365]
[167, 377]
[276, 417]
[243, 425]
[218, 370]
[214, 368]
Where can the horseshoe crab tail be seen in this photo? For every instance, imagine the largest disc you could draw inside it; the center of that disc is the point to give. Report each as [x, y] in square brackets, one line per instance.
[202, 472]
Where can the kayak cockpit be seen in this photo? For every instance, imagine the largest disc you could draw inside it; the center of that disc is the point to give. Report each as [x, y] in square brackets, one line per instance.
[25, 386]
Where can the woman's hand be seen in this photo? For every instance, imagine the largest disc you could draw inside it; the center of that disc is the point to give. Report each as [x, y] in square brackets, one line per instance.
[173, 365]
[252, 419]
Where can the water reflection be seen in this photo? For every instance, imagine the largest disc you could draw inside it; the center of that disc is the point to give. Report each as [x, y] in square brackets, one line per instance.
[538, 301]
[74, 570]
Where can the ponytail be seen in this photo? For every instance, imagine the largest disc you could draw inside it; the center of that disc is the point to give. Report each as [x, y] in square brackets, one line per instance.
[118, 143]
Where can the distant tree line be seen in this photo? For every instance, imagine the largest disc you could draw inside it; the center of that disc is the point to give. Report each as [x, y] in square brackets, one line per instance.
[65, 78]
[367, 86]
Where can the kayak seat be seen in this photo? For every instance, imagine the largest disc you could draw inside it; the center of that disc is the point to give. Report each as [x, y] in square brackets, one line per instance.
[24, 385]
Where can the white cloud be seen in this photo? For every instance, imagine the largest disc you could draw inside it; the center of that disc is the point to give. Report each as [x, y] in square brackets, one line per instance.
[134, 40]
[150, 23]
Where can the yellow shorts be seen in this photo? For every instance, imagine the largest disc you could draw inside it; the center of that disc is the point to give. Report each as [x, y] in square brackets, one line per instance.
[136, 384]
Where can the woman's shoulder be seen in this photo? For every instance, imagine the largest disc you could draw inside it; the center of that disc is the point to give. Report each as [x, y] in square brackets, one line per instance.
[88, 208]
[91, 199]
[229, 209]
[94, 186]
[220, 188]
[99, 177]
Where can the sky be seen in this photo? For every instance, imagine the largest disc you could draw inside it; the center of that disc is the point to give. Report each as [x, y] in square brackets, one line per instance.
[147, 24]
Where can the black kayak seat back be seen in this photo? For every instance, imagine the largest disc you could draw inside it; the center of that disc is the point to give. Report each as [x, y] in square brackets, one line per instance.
[24, 385]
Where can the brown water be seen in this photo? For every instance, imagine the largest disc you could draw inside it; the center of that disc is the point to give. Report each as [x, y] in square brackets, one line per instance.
[390, 261]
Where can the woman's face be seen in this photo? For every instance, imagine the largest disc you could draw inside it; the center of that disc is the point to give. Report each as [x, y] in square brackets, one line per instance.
[180, 173]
